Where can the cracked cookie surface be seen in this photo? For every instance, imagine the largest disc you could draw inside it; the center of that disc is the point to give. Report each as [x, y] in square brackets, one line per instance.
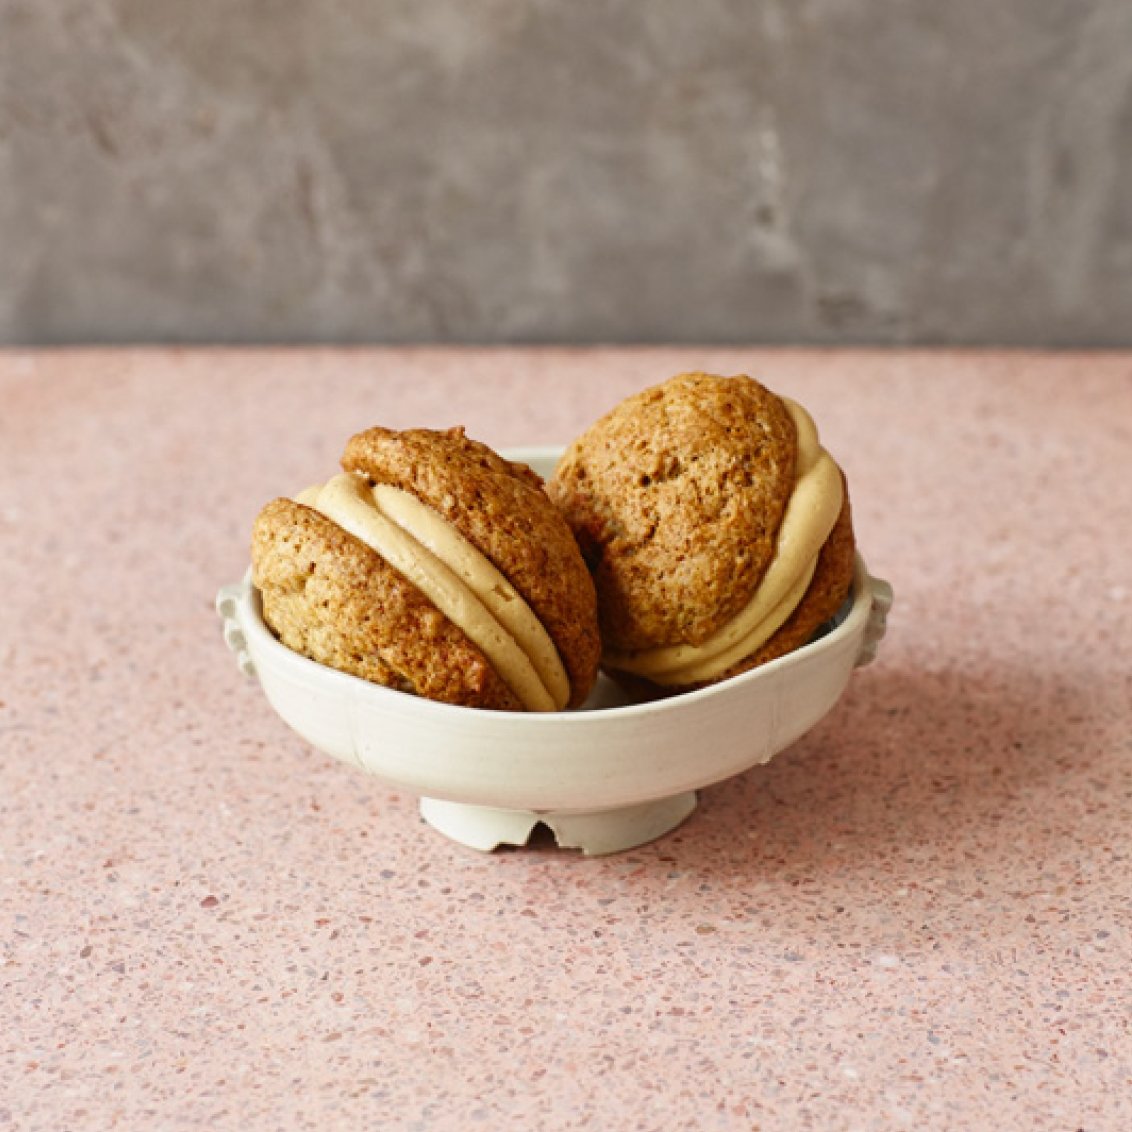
[501, 508]
[676, 497]
[331, 598]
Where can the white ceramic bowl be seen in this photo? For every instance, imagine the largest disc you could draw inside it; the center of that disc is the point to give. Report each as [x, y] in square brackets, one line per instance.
[608, 776]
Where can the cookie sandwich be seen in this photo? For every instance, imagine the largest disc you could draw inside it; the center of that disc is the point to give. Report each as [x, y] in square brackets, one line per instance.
[433, 566]
[716, 526]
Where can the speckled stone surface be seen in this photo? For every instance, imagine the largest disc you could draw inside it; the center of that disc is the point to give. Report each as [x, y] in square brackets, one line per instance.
[918, 917]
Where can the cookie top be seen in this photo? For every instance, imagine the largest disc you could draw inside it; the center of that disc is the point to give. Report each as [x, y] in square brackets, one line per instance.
[676, 497]
[501, 509]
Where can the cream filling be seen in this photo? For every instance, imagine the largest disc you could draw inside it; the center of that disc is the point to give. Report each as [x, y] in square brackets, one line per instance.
[460, 581]
[810, 515]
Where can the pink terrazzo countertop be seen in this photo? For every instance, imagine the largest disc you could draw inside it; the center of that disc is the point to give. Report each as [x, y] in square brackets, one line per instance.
[918, 917]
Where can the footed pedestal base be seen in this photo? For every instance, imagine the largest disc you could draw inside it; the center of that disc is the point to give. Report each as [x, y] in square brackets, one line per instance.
[605, 831]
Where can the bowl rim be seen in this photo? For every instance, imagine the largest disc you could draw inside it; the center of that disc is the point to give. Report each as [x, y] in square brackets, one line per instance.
[853, 624]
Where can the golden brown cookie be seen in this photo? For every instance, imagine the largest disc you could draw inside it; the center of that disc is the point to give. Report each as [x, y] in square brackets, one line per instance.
[330, 597]
[436, 567]
[682, 499]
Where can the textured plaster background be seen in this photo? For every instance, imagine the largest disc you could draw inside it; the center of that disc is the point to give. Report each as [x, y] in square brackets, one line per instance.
[783, 170]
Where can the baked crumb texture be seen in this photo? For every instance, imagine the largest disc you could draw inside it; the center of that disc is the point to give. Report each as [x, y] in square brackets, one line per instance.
[330, 597]
[502, 510]
[676, 497]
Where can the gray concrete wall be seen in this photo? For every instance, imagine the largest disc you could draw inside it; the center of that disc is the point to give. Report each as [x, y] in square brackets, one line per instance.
[500, 170]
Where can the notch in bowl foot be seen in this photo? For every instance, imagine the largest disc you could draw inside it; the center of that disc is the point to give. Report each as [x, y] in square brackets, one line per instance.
[598, 833]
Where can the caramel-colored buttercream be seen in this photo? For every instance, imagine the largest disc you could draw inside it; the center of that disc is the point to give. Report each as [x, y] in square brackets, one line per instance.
[810, 515]
[455, 576]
